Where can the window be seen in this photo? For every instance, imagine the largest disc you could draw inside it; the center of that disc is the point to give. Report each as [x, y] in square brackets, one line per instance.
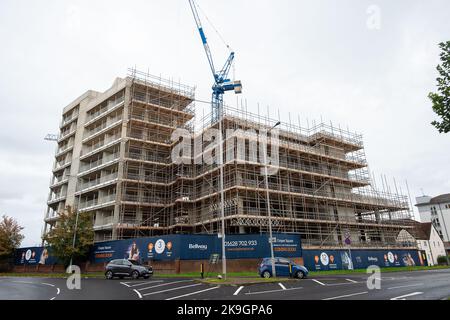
[283, 261]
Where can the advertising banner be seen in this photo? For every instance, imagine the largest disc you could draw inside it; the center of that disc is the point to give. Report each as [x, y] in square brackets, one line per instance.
[196, 247]
[248, 246]
[316, 260]
[33, 256]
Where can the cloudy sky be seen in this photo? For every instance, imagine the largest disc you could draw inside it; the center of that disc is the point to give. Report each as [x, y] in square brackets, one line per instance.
[368, 65]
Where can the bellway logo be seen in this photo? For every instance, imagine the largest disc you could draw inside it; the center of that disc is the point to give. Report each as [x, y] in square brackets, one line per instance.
[197, 246]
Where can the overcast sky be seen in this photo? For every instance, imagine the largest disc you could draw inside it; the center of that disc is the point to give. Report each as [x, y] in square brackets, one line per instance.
[368, 65]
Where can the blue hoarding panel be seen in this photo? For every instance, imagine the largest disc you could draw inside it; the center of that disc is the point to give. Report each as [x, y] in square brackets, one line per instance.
[248, 246]
[316, 260]
[33, 256]
[196, 247]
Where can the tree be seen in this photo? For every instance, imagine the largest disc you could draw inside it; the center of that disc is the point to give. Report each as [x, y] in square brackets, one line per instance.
[60, 238]
[10, 236]
[441, 99]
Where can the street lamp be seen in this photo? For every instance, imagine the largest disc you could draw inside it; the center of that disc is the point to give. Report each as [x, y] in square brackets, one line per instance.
[222, 199]
[266, 180]
[76, 221]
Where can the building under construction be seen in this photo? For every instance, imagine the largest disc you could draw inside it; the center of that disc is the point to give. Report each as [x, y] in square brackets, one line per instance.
[115, 160]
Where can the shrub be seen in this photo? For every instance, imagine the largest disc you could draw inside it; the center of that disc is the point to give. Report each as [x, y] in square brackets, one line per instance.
[443, 260]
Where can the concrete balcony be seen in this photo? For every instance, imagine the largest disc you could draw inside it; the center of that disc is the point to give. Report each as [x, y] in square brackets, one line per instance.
[57, 198]
[103, 223]
[68, 120]
[97, 183]
[66, 134]
[97, 203]
[59, 165]
[95, 165]
[149, 158]
[63, 150]
[97, 131]
[103, 112]
[147, 200]
[106, 143]
[58, 181]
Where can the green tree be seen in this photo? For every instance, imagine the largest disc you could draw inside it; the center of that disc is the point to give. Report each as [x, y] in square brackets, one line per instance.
[60, 238]
[10, 236]
[441, 99]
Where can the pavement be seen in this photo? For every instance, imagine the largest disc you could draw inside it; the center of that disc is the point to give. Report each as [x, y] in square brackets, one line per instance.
[415, 285]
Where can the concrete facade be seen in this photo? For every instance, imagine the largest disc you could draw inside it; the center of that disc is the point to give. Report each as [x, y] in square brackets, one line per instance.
[437, 211]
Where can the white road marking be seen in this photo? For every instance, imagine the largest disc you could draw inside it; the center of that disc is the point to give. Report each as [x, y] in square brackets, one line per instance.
[192, 293]
[172, 289]
[282, 286]
[138, 293]
[144, 283]
[133, 282]
[347, 295]
[317, 281]
[42, 283]
[277, 290]
[352, 281]
[48, 284]
[125, 284]
[407, 295]
[25, 282]
[165, 284]
[406, 286]
[238, 290]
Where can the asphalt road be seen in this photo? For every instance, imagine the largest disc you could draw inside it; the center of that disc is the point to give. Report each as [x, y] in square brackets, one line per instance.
[416, 285]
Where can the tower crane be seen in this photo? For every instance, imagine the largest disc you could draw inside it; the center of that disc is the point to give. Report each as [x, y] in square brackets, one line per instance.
[220, 86]
[221, 81]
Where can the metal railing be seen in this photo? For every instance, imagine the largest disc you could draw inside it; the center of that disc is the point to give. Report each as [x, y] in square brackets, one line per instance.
[93, 148]
[89, 184]
[105, 125]
[69, 119]
[102, 221]
[110, 106]
[97, 201]
[105, 159]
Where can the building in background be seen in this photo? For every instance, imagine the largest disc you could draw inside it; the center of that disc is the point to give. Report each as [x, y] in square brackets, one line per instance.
[114, 160]
[429, 242]
[437, 211]
[447, 247]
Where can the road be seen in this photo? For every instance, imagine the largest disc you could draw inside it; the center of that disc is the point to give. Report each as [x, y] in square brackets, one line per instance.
[416, 285]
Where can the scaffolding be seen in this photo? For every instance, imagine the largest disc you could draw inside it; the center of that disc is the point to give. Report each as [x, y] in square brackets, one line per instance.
[321, 188]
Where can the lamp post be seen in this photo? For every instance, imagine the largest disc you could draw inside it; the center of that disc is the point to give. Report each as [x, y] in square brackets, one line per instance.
[222, 199]
[76, 224]
[269, 215]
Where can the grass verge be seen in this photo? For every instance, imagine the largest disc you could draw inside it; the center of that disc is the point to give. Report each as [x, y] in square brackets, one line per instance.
[387, 269]
[233, 277]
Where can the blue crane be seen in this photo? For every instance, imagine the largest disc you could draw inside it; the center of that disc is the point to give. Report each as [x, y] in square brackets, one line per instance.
[221, 81]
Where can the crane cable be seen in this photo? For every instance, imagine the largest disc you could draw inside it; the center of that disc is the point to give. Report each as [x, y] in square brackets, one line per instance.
[214, 28]
[219, 35]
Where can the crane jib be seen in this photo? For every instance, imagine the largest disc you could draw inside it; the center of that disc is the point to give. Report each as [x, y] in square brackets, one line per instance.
[202, 35]
[222, 83]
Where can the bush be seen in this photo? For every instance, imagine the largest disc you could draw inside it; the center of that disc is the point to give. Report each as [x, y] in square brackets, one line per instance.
[6, 265]
[442, 260]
